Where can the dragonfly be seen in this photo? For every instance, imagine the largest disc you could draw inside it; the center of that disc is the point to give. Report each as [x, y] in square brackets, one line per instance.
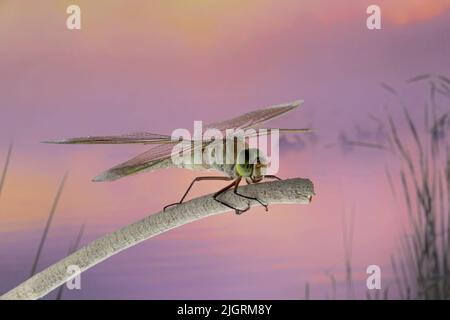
[248, 164]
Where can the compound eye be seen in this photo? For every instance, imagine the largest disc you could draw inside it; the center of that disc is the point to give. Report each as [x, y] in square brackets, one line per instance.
[244, 170]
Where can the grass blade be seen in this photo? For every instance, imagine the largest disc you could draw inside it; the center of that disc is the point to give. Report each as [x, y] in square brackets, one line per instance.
[47, 226]
[72, 249]
[388, 88]
[418, 78]
[6, 167]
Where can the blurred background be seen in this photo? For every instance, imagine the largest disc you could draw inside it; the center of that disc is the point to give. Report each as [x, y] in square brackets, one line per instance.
[160, 65]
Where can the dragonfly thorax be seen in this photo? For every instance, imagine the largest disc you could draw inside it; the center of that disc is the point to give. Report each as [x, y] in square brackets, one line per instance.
[251, 164]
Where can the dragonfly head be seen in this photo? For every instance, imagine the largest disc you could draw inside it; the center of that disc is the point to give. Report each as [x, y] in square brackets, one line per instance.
[251, 165]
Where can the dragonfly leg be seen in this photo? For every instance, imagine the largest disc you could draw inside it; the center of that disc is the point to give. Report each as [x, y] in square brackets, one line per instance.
[270, 176]
[221, 191]
[192, 184]
[265, 205]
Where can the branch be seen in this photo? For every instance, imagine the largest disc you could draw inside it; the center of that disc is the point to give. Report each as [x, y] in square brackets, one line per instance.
[291, 191]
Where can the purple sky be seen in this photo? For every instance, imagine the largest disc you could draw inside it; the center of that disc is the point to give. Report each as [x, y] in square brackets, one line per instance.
[160, 66]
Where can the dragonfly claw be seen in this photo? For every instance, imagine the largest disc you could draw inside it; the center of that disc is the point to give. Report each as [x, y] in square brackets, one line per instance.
[171, 205]
[239, 212]
[265, 205]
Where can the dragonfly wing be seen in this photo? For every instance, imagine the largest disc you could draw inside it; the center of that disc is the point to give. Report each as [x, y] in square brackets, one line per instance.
[137, 137]
[144, 161]
[267, 131]
[255, 118]
[158, 157]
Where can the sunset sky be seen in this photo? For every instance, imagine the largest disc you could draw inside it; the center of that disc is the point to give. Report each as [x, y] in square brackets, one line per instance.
[160, 65]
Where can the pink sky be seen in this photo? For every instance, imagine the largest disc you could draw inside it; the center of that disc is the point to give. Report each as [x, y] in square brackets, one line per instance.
[163, 65]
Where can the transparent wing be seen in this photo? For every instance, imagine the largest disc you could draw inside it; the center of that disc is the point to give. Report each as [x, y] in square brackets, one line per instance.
[137, 137]
[255, 118]
[144, 161]
[268, 131]
[159, 154]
